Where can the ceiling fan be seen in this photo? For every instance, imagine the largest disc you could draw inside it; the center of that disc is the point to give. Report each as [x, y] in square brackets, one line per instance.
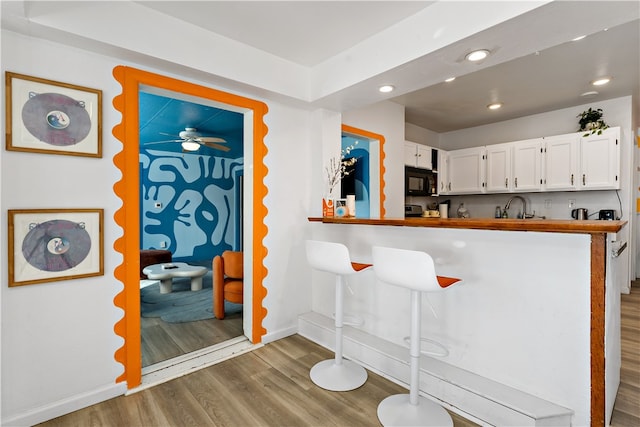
[191, 140]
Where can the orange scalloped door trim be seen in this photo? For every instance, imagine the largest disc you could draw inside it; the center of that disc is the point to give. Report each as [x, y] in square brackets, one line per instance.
[371, 135]
[127, 217]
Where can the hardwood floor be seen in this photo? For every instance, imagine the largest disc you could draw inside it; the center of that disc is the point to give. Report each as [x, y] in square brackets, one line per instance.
[162, 340]
[626, 411]
[269, 386]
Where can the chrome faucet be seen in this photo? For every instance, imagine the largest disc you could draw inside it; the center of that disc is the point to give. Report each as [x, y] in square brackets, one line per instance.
[525, 215]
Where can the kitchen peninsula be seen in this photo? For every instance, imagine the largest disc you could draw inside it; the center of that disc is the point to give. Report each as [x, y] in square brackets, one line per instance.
[537, 313]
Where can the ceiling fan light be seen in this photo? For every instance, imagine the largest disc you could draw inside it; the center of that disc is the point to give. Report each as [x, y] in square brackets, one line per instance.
[190, 146]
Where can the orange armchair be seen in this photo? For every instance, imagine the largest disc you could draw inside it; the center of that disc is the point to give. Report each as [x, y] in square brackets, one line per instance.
[227, 281]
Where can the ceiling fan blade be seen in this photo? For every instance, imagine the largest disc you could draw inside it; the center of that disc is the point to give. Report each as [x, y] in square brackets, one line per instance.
[216, 146]
[169, 134]
[206, 139]
[162, 142]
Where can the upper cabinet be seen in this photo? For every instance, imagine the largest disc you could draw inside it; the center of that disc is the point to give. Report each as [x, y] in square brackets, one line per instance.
[498, 168]
[568, 162]
[527, 165]
[466, 171]
[418, 155]
[561, 162]
[600, 161]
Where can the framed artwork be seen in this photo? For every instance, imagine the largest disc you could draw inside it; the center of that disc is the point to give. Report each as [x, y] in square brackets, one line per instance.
[47, 245]
[44, 116]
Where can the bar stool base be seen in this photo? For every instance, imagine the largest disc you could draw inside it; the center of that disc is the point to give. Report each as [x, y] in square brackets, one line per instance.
[330, 376]
[397, 411]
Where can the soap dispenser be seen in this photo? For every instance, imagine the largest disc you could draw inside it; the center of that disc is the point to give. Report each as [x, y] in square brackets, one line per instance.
[498, 212]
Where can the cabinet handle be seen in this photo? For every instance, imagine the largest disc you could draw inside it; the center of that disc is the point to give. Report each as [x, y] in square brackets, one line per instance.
[584, 181]
[441, 186]
[449, 186]
[571, 179]
[506, 183]
[515, 181]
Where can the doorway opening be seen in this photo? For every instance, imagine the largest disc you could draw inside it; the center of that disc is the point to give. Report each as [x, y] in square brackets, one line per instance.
[254, 231]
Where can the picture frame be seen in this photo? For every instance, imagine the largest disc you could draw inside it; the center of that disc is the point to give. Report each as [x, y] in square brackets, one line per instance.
[47, 245]
[50, 117]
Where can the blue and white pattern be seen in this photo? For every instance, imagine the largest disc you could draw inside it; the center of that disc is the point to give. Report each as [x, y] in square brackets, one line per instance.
[191, 202]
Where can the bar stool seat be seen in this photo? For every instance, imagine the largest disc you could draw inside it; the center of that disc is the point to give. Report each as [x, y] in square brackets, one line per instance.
[337, 374]
[415, 271]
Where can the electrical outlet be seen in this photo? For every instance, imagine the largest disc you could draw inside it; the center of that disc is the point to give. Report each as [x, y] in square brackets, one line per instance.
[547, 204]
[572, 203]
[163, 244]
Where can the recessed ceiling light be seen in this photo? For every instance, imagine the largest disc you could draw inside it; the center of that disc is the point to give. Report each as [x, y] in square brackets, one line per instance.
[578, 38]
[477, 55]
[494, 106]
[601, 81]
[590, 93]
[386, 88]
[450, 79]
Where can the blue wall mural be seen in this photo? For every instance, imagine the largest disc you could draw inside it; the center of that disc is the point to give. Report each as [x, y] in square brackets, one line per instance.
[189, 204]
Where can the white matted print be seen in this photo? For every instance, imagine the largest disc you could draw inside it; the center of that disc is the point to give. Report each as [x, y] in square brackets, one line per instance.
[45, 116]
[48, 245]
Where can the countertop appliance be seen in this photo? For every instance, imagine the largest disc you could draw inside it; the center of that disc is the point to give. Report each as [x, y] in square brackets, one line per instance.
[607, 214]
[412, 210]
[420, 182]
[580, 213]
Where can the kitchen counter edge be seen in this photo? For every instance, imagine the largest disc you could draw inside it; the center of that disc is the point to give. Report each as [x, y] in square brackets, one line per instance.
[542, 225]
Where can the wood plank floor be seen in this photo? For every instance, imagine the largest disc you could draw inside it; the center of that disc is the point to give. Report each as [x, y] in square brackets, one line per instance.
[269, 386]
[626, 411]
[162, 340]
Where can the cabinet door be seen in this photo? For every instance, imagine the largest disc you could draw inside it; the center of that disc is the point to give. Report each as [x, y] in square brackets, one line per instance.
[600, 161]
[443, 172]
[561, 162]
[466, 171]
[527, 165]
[423, 157]
[410, 153]
[498, 168]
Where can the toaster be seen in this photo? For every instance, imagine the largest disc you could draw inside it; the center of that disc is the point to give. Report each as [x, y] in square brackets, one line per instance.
[607, 214]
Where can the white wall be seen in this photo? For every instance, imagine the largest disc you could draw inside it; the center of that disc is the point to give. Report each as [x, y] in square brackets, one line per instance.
[58, 341]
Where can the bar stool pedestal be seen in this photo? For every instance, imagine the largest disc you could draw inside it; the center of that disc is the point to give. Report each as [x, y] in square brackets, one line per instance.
[337, 374]
[413, 270]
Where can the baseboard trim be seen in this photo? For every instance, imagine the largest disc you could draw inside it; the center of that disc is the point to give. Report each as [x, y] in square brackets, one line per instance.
[66, 406]
[474, 397]
[278, 335]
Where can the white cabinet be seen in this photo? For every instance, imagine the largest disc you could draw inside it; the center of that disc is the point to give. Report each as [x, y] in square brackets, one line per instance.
[498, 168]
[600, 161]
[527, 165]
[443, 172]
[561, 162]
[466, 171]
[418, 155]
[574, 162]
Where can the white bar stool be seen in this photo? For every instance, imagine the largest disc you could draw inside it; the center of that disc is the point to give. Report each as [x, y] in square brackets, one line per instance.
[413, 270]
[336, 374]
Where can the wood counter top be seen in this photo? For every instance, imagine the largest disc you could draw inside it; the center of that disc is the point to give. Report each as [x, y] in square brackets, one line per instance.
[543, 225]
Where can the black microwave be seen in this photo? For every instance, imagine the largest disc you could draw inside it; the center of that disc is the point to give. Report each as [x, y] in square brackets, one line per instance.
[420, 182]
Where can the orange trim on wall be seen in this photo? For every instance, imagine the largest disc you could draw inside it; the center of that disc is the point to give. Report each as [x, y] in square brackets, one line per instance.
[371, 135]
[128, 216]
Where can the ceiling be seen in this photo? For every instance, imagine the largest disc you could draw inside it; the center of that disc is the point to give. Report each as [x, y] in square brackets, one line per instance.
[309, 32]
[534, 67]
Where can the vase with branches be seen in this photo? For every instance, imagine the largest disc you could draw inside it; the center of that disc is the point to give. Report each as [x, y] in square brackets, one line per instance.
[338, 168]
